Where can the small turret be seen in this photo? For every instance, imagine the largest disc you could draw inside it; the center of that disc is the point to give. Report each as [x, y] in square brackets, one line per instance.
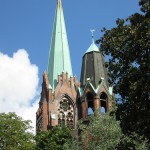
[93, 66]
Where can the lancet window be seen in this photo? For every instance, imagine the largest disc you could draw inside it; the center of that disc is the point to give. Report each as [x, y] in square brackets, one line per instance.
[90, 101]
[39, 124]
[103, 99]
[66, 113]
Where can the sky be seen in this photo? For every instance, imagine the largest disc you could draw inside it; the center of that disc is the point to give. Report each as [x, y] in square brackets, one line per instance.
[25, 33]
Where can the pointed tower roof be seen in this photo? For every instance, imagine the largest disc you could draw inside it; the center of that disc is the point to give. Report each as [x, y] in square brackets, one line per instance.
[93, 67]
[59, 58]
[92, 47]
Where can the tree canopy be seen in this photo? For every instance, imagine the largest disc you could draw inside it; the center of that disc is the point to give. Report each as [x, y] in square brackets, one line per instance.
[14, 133]
[53, 139]
[128, 46]
[103, 132]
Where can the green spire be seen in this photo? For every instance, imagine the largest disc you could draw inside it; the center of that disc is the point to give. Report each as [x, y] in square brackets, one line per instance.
[59, 59]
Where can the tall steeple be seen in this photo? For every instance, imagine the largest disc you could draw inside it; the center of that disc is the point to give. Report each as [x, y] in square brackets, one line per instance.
[59, 56]
[63, 99]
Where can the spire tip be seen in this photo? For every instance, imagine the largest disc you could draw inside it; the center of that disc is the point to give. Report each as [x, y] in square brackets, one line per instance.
[92, 31]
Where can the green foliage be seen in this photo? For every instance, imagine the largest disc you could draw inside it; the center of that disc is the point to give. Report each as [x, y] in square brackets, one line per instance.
[73, 144]
[102, 133]
[96, 133]
[132, 142]
[128, 45]
[14, 134]
[53, 139]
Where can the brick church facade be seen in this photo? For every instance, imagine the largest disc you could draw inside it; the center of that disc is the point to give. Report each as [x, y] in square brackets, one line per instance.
[65, 100]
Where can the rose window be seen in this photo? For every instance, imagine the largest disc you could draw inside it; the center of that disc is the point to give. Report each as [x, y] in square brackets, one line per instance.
[65, 105]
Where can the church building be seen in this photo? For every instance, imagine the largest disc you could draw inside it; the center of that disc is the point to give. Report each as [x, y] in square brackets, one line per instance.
[65, 100]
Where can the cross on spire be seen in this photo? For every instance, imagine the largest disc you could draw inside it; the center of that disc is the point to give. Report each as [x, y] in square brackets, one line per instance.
[92, 31]
[59, 1]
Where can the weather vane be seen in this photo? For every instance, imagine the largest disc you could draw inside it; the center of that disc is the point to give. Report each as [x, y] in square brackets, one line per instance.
[92, 31]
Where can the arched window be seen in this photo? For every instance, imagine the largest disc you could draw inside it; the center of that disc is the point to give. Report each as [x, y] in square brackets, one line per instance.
[39, 124]
[90, 101]
[66, 112]
[103, 99]
[103, 96]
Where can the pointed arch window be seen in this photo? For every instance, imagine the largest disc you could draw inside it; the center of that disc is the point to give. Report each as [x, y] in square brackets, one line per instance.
[66, 113]
[90, 101]
[39, 124]
[103, 99]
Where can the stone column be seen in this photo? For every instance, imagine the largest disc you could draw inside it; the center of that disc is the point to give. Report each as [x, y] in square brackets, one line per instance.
[84, 108]
[96, 105]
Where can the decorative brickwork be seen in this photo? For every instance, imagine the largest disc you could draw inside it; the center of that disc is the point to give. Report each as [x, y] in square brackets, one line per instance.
[58, 107]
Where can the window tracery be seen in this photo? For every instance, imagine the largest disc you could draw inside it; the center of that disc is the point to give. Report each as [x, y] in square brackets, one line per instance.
[66, 113]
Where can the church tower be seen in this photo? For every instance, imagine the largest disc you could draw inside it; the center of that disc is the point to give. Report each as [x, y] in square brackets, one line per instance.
[57, 105]
[63, 100]
[95, 93]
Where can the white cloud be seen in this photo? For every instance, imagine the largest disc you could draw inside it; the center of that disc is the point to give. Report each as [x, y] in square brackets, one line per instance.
[18, 85]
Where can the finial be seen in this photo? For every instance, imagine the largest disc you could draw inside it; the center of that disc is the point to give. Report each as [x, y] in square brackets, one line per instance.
[92, 31]
[59, 1]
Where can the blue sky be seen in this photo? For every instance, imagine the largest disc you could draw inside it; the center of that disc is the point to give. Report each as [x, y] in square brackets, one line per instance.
[27, 25]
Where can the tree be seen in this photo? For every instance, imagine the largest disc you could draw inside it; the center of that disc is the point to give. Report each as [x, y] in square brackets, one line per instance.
[104, 133]
[128, 46]
[101, 133]
[53, 139]
[14, 134]
[132, 142]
